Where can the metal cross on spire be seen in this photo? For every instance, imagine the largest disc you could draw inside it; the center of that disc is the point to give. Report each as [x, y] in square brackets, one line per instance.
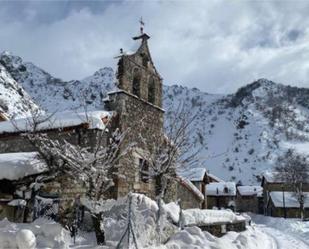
[142, 25]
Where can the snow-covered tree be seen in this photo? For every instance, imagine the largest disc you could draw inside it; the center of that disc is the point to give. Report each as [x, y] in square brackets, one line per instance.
[91, 166]
[169, 153]
[293, 170]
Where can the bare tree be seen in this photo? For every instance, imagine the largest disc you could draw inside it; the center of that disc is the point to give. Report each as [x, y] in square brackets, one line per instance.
[169, 153]
[93, 166]
[293, 170]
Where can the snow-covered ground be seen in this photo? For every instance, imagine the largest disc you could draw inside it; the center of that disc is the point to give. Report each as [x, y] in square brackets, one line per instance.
[287, 233]
[263, 233]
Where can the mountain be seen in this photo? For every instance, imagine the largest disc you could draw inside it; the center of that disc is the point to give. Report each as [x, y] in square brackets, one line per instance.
[239, 135]
[54, 94]
[14, 100]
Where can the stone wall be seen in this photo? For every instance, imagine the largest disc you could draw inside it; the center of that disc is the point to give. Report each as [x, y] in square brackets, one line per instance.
[135, 117]
[188, 198]
[247, 204]
[16, 142]
[219, 201]
[219, 229]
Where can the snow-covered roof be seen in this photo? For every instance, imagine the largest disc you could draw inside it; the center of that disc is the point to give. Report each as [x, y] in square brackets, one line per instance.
[221, 189]
[290, 200]
[270, 176]
[250, 190]
[93, 119]
[195, 174]
[14, 166]
[190, 186]
[215, 178]
[3, 116]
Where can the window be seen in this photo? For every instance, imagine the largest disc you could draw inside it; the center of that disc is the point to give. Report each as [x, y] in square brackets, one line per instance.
[144, 170]
[136, 82]
[151, 91]
[145, 60]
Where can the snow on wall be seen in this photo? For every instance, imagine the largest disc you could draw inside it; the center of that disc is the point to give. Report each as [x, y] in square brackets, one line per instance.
[14, 166]
[59, 120]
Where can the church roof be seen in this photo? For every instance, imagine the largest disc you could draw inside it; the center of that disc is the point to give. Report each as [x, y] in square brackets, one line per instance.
[90, 120]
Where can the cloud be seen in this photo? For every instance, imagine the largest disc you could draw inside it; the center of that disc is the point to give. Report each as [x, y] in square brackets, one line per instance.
[216, 46]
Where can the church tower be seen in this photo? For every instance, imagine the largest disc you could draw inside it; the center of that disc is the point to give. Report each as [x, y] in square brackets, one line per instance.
[137, 104]
[137, 74]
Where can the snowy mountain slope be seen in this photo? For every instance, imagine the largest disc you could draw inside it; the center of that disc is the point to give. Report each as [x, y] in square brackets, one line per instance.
[54, 94]
[14, 101]
[240, 135]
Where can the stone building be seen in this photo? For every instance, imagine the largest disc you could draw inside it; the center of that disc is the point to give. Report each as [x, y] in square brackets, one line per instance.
[199, 177]
[271, 183]
[249, 199]
[285, 204]
[221, 195]
[188, 194]
[138, 104]
[19, 163]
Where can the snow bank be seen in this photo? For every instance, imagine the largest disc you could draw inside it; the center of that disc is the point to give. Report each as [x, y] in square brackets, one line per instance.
[94, 119]
[26, 239]
[209, 216]
[221, 189]
[144, 221]
[14, 166]
[193, 237]
[42, 233]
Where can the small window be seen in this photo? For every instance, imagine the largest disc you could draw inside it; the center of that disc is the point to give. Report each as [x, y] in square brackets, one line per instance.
[145, 60]
[151, 91]
[144, 170]
[136, 82]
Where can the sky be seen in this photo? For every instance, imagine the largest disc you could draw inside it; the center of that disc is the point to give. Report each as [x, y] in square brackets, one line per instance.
[214, 45]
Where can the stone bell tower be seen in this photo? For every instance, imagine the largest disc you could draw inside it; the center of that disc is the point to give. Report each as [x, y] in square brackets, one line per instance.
[137, 74]
[137, 104]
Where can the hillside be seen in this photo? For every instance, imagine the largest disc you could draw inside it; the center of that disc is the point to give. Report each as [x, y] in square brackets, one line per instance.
[54, 94]
[239, 135]
[14, 100]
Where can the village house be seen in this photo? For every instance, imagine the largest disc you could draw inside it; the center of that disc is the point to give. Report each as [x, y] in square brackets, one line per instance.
[270, 184]
[249, 199]
[20, 165]
[221, 195]
[199, 177]
[286, 204]
[188, 194]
